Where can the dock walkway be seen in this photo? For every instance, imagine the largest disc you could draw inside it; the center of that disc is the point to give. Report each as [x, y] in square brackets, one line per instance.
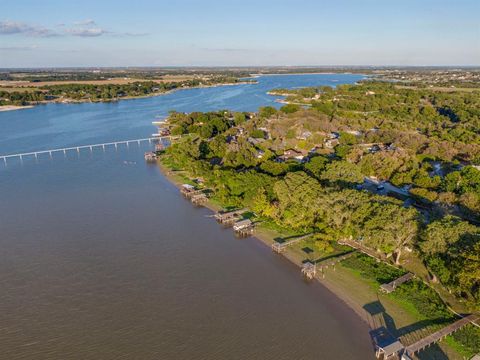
[391, 286]
[440, 334]
[280, 247]
[363, 249]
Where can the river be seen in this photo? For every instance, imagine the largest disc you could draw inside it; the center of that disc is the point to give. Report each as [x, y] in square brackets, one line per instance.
[101, 258]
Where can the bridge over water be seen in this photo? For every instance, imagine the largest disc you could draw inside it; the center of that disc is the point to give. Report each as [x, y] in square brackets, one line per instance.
[50, 152]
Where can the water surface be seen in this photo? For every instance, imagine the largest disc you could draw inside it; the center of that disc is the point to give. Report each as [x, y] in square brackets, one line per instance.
[103, 259]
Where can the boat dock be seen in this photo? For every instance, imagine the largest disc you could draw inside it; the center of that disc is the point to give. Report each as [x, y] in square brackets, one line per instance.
[388, 347]
[309, 270]
[230, 217]
[280, 247]
[196, 196]
[325, 264]
[243, 227]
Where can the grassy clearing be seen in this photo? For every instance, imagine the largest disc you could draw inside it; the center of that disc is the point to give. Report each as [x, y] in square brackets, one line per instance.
[419, 301]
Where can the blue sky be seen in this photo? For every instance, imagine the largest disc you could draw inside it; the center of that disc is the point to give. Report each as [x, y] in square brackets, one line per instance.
[238, 32]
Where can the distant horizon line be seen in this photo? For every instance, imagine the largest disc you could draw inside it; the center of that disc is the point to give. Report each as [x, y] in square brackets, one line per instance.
[247, 67]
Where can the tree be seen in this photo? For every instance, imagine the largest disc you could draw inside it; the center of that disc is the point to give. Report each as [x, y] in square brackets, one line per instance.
[441, 234]
[342, 172]
[316, 166]
[383, 231]
[267, 111]
[469, 274]
[290, 108]
[298, 200]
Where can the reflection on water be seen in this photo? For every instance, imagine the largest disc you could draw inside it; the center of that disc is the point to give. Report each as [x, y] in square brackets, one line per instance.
[101, 258]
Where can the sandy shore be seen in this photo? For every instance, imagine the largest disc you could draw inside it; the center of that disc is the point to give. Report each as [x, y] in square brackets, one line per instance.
[13, 107]
[267, 237]
[355, 291]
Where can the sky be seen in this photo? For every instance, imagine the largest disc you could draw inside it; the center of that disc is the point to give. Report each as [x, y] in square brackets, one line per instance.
[91, 33]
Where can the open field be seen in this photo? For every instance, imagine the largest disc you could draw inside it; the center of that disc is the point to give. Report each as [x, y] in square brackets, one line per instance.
[22, 85]
[439, 88]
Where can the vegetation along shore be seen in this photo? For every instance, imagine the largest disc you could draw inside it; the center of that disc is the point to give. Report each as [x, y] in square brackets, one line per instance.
[384, 181]
[16, 95]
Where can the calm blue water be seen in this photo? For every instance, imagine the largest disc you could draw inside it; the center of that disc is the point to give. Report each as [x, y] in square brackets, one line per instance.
[60, 125]
[101, 258]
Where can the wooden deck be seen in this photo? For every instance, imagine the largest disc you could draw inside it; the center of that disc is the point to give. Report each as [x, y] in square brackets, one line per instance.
[309, 270]
[280, 247]
[439, 335]
[391, 286]
[199, 199]
[244, 227]
[230, 217]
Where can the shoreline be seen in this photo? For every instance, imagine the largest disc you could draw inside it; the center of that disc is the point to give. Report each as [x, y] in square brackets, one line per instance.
[267, 237]
[14, 107]
[353, 290]
[71, 101]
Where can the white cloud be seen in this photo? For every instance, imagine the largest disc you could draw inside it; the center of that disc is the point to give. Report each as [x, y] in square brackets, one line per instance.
[84, 28]
[87, 32]
[12, 27]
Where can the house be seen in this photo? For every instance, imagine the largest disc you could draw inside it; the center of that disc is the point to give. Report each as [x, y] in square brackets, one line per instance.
[334, 135]
[375, 148]
[331, 143]
[304, 135]
[292, 154]
[255, 141]
[231, 139]
[260, 154]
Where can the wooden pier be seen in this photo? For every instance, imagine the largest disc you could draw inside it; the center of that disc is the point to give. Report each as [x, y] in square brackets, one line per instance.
[325, 264]
[439, 335]
[150, 156]
[386, 345]
[391, 286]
[196, 196]
[244, 227]
[190, 191]
[230, 217]
[199, 199]
[65, 150]
[280, 247]
[309, 270]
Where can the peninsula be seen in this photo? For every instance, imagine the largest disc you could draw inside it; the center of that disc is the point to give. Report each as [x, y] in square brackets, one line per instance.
[383, 179]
